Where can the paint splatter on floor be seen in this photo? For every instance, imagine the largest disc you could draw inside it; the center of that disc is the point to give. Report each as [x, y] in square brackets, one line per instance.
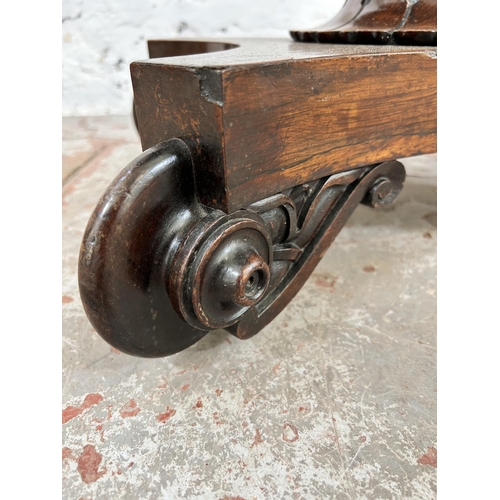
[429, 458]
[89, 463]
[71, 412]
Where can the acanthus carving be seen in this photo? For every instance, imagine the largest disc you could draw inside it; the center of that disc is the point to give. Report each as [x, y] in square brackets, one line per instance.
[147, 265]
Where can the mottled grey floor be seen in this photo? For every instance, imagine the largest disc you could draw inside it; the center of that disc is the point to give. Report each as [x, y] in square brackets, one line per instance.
[336, 398]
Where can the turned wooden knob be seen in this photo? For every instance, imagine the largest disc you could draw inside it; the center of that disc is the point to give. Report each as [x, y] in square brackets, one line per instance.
[221, 269]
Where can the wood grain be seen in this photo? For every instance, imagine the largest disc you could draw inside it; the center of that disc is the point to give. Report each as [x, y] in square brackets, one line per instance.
[285, 125]
[257, 128]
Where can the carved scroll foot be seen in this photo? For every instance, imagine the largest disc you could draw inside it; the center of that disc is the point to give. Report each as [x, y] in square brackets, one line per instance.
[158, 269]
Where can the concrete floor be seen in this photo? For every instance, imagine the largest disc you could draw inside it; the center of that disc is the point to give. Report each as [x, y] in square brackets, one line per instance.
[336, 398]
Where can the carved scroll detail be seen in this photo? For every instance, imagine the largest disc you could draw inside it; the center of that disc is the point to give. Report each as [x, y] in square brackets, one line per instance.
[320, 211]
[158, 269]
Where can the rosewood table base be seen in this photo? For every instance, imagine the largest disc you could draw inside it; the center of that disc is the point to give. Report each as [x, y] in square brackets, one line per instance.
[256, 152]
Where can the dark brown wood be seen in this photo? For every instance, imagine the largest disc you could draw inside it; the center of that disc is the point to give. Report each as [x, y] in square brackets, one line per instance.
[146, 210]
[397, 22]
[256, 153]
[163, 48]
[158, 269]
[270, 115]
[318, 219]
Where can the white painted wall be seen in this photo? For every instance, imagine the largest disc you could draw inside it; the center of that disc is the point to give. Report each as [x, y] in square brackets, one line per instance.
[101, 38]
